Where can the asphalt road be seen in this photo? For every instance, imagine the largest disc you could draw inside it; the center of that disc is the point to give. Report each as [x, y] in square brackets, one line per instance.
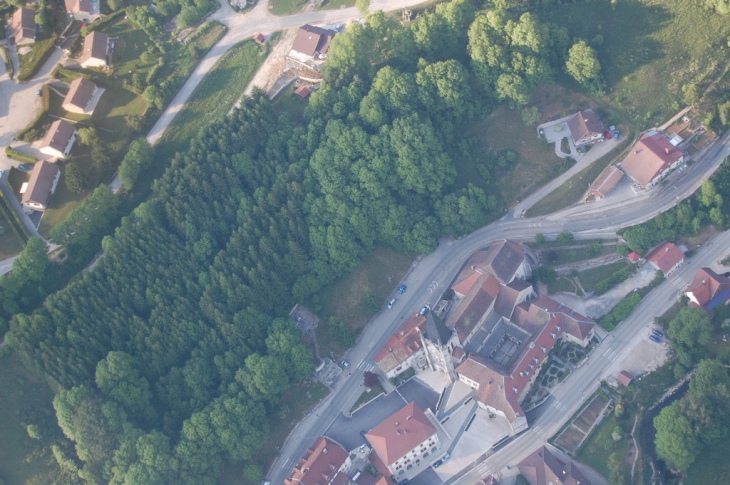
[429, 278]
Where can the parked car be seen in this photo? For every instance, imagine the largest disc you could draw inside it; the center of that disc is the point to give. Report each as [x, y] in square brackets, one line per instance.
[25, 167]
[391, 303]
[654, 338]
[345, 364]
[441, 460]
[39, 92]
[657, 332]
[424, 309]
[402, 289]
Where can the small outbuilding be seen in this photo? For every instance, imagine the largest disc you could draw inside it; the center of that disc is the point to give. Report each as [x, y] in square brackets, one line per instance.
[303, 92]
[625, 377]
[259, 38]
[634, 257]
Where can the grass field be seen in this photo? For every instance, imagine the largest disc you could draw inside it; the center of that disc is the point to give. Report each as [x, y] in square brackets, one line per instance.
[299, 400]
[504, 129]
[591, 277]
[600, 445]
[366, 396]
[114, 105]
[563, 284]
[650, 49]
[10, 245]
[557, 257]
[334, 4]
[286, 7]
[24, 400]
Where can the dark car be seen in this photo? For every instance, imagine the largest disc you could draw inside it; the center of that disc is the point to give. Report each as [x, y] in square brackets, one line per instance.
[402, 289]
[657, 332]
[25, 167]
[654, 338]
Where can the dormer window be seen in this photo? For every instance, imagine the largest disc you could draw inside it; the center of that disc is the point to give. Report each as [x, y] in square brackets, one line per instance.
[544, 350]
[536, 360]
[531, 366]
[515, 389]
[557, 327]
[553, 335]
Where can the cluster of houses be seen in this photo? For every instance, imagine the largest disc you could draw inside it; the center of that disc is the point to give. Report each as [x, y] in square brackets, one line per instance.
[493, 336]
[651, 158]
[23, 26]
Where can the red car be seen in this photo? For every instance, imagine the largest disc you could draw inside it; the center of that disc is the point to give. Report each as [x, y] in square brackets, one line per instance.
[607, 135]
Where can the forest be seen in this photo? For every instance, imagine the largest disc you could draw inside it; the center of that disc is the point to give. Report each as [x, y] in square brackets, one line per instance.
[169, 357]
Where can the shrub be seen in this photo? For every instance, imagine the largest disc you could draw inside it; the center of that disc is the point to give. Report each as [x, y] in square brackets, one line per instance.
[19, 155]
[31, 62]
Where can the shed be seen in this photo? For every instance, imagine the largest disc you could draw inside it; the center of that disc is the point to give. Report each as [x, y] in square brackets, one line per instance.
[625, 377]
[259, 38]
[303, 92]
[634, 256]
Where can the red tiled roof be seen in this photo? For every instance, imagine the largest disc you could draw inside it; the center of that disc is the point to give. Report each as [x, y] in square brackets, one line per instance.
[466, 281]
[491, 380]
[259, 38]
[24, 18]
[585, 124]
[501, 259]
[543, 468]
[400, 433]
[382, 468]
[320, 464]
[489, 480]
[606, 181]
[458, 352]
[652, 155]
[665, 256]
[634, 256]
[625, 377]
[78, 6]
[708, 286]
[303, 92]
[405, 342]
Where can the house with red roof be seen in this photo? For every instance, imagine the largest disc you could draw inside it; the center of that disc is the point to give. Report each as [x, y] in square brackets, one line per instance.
[666, 257]
[325, 463]
[634, 257]
[585, 127]
[404, 439]
[708, 289]
[651, 159]
[606, 182]
[404, 349]
[544, 468]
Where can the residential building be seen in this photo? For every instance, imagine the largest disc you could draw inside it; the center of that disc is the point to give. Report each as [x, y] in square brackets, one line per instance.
[606, 182]
[585, 128]
[22, 26]
[708, 289]
[651, 159]
[82, 97]
[325, 463]
[96, 50]
[311, 43]
[543, 468]
[83, 10]
[404, 439]
[404, 349]
[59, 139]
[666, 257]
[41, 186]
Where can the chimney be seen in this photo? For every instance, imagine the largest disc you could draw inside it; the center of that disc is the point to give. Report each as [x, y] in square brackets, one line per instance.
[397, 423]
[563, 472]
[405, 431]
[666, 150]
[409, 417]
[397, 432]
[666, 250]
[324, 450]
[636, 152]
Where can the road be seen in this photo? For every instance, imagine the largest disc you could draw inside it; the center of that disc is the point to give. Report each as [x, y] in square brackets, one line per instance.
[429, 279]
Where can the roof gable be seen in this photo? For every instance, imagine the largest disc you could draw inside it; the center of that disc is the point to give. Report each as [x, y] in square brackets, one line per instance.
[320, 464]
[584, 124]
[607, 181]
[404, 342]
[709, 289]
[400, 433]
[665, 256]
[80, 92]
[41, 182]
[58, 135]
[311, 40]
[651, 155]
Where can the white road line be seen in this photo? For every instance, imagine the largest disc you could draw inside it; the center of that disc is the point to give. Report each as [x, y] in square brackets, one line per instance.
[360, 365]
[614, 357]
[286, 463]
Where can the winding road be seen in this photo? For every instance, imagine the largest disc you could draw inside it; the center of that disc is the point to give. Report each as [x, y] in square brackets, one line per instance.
[427, 281]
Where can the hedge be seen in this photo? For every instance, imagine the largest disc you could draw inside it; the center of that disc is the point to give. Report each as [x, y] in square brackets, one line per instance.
[19, 155]
[13, 219]
[40, 52]
[8, 62]
[109, 19]
[620, 312]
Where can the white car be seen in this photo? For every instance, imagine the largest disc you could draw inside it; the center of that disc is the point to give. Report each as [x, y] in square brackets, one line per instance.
[391, 303]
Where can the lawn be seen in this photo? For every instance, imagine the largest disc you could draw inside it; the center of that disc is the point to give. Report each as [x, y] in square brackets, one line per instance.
[600, 445]
[33, 60]
[333, 4]
[344, 299]
[293, 405]
[286, 7]
[25, 399]
[650, 49]
[573, 189]
[131, 43]
[503, 130]
[366, 396]
[563, 284]
[114, 105]
[591, 277]
[10, 245]
[16, 178]
[712, 466]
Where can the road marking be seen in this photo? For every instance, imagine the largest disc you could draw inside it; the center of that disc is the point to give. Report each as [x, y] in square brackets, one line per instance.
[360, 365]
[614, 357]
[286, 463]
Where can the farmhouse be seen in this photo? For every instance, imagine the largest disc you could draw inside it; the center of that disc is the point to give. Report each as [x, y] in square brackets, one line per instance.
[311, 43]
[404, 439]
[585, 128]
[651, 159]
[666, 257]
[22, 26]
[83, 10]
[41, 186]
[325, 463]
[708, 289]
[59, 139]
[96, 50]
[82, 96]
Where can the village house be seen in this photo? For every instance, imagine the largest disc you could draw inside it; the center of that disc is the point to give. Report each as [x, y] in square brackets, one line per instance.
[543, 468]
[404, 439]
[96, 50]
[83, 10]
[585, 128]
[311, 43]
[59, 139]
[651, 159]
[82, 97]
[666, 257]
[41, 186]
[325, 463]
[708, 290]
[22, 26]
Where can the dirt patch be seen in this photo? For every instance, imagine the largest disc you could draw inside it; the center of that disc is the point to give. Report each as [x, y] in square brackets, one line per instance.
[591, 413]
[274, 66]
[694, 242]
[571, 438]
